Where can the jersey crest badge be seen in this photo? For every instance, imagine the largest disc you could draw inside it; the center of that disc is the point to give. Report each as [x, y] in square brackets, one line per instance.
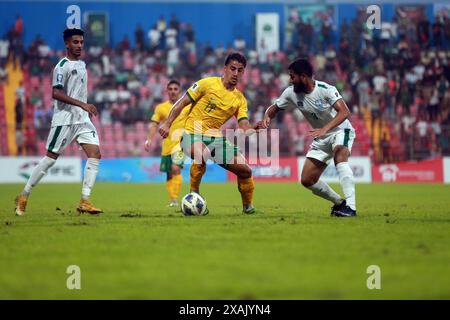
[319, 104]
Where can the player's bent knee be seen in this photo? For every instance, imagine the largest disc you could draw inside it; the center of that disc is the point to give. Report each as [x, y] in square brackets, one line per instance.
[341, 154]
[96, 154]
[307, 182]
[52, 155]
[176, 170]
[245, 173]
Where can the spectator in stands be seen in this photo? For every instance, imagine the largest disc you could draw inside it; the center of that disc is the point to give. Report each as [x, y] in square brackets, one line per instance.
[42, 120]
[436, 30]
[139, 38]
[20, 92]
[161, 26]
[385, 149]
[423, 31]
[240, 44]
[132, 113]
[446, 32]
[124, 44]
[19, 111]
[20, 142]
[154, 37]
[289, 32]
[18, 26]
[16, 49]
[174, 23]
[30, 141]
[3, 74]
[4, 49]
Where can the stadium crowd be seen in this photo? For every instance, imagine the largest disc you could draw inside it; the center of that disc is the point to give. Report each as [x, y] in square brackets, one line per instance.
[394, 80]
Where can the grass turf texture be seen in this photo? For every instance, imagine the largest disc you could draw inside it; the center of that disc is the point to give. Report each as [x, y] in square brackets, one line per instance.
[141, 249]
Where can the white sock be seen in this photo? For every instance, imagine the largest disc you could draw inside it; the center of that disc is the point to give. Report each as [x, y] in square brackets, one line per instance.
[90, 174]
[322, 189]
[347, 182]
[38, 172]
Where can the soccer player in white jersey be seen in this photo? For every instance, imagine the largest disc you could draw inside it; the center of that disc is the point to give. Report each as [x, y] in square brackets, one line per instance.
[71, 120]
[327, 113]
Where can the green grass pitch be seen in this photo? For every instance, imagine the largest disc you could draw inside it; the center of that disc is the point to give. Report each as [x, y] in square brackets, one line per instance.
[141, 249]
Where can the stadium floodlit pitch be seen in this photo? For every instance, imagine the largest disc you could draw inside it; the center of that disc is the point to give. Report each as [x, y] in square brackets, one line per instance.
[141, 249]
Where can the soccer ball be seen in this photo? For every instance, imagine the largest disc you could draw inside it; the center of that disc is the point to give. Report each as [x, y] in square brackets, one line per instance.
[193, 204]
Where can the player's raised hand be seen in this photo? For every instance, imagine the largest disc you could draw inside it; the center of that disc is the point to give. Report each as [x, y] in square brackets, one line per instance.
[90, 108]
[147, 145]
[164, 129]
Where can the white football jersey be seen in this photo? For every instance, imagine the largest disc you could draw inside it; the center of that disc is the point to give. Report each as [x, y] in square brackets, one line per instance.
[70, 76]
[317, 106]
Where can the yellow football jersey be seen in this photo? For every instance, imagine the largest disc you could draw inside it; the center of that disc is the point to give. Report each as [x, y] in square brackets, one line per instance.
[212, 106]
[171, 144]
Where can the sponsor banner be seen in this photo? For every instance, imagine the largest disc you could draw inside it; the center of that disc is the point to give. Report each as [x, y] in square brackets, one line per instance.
[18, 169]
[147, 170]
[97, 28]
[413, 171]
[446, 170]
[267, 32]
[361, 166]
[285, 169]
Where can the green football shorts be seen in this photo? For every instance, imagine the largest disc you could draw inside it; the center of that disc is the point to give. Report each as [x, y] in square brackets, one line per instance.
[176, 158]
[222, 151]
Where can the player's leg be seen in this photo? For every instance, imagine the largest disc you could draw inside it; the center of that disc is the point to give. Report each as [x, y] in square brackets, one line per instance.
[176, 178]
[58, 138]
[227, 155]
[87, 138]
[166, 166]
[310, 178]
[341, 150]
[174, 185]
[194, 147]
[198, 166]
[246, 185]
[169, 188]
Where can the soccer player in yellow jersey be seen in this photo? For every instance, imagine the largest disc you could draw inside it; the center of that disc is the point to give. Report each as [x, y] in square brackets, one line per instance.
[215, 100]
[172, 157]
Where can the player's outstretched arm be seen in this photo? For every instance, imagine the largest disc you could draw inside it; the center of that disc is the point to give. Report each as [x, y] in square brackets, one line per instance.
[152, 129]
[270, 113]
[342, 113]
[164, 128]
[247, 128]
[60, 95]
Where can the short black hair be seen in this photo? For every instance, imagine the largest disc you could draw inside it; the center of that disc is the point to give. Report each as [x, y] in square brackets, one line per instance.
[239, 57]
[300, 66]
[72, 32]
[173, 81]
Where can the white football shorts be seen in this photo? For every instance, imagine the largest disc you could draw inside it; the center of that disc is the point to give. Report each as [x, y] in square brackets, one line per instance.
[61, 136]
[322, 148]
